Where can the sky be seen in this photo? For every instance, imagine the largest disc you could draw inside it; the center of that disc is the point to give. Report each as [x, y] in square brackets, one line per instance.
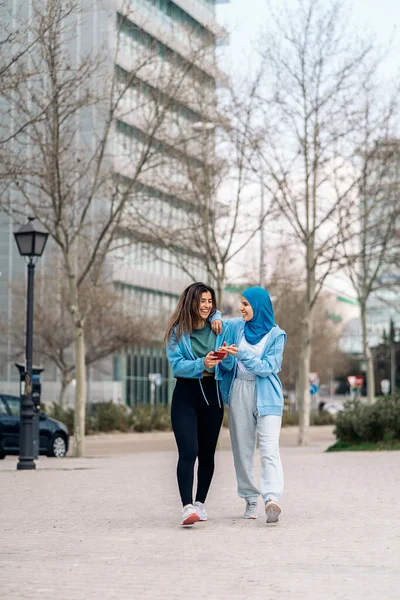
[244, 19]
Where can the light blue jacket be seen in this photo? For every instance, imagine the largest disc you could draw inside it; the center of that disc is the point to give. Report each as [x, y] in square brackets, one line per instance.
[266, 368]
[183, 360]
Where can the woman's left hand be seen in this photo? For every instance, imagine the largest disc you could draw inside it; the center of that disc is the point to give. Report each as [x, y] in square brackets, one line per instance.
[216, 326]
[230, 350]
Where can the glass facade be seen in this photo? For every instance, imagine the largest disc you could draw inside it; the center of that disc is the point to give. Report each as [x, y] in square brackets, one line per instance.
[381, 202]
[136, 367]
[140, 264]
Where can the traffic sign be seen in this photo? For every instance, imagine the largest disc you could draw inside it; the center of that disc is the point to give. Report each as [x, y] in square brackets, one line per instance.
[313, 377]
[385, 386]
[356, 381]
[313, 380]
[155, 378]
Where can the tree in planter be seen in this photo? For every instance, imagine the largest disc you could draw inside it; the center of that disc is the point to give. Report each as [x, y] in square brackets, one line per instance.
[92, 138]
[109, 326]
[314, 73]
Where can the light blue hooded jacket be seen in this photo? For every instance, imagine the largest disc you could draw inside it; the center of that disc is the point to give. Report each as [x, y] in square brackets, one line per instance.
[266, 368]
[184, 362]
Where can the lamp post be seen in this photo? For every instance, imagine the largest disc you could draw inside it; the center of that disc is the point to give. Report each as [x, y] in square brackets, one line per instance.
[31, 243]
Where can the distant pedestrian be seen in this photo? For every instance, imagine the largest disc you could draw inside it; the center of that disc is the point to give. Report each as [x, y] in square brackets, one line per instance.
[197, 410]
[253, 391]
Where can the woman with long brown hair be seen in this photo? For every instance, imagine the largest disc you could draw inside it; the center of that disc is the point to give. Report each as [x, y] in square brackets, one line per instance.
[197, 410]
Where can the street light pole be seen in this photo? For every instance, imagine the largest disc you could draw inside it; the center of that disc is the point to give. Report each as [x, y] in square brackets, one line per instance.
[31, 242]
[26, 460]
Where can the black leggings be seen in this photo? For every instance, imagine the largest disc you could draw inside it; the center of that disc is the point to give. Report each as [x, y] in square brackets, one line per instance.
[196, 427]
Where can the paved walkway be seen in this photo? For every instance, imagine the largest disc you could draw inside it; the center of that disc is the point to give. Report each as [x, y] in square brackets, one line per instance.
[107, 528]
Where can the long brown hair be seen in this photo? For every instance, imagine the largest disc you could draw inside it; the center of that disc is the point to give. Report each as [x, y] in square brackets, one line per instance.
[186, 315]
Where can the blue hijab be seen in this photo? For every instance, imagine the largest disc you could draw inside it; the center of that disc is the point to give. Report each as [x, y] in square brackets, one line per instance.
[263, 315]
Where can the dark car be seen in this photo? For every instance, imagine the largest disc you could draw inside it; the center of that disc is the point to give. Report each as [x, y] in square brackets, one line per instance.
[53, 435]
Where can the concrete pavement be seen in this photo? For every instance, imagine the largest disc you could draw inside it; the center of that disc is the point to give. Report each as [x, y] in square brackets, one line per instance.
[107, 528]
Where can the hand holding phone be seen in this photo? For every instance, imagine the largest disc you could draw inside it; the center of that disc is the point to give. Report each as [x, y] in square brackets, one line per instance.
[220, 354]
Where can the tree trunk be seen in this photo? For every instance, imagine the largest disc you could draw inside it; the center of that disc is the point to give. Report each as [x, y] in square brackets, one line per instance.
[80, 390]
[393, 367]
[303, 383]
[369, 363]
[65, 381]
[80, 367]
[220, 291]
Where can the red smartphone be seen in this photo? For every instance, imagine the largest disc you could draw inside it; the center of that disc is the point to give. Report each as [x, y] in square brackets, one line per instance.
[220, 354]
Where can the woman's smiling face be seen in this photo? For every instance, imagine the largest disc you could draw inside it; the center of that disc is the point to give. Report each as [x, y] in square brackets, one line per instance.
[206, 305]
[245, 309]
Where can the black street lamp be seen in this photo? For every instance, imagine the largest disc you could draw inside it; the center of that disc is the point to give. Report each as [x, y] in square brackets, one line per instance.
[31, 243]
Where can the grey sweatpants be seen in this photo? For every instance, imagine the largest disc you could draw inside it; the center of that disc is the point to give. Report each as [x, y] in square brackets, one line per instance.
[244, 425]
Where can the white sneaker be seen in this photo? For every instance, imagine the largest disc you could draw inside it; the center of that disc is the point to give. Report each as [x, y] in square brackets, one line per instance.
[272, 511]
[251, 510]
[201, 510]
[189, 515]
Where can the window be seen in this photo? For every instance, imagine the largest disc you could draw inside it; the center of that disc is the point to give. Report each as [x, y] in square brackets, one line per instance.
[14, 406]
[3, 408]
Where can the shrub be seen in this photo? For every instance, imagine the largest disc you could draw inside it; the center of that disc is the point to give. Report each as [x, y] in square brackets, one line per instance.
[162, 417]
[359, 423]
[65, 415]
[316, 418]
[290, 418]
[322, 418]
[108, 416]
[145, 417]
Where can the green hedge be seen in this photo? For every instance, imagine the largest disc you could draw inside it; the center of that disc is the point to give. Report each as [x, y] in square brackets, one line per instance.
[359, 423]
[316, 418]
[291, 419]
[108, 416]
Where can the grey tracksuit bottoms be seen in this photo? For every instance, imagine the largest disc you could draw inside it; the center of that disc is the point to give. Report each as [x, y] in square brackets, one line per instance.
[244, 425]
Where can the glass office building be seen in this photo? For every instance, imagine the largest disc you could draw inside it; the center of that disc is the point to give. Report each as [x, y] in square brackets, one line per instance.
[147, 283]
[383, 302]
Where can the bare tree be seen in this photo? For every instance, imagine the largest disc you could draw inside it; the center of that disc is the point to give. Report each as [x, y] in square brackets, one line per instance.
[314, 73]
[16, 44]
[373, 249]
[285, 286]
[109, 327]
[95, 136]
[213, 180]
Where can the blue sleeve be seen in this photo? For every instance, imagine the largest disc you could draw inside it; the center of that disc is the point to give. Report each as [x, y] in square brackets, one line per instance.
[217, 316]
[271, 363]
[228, 363]
[230, 330]
[181, 366]
[228, 336]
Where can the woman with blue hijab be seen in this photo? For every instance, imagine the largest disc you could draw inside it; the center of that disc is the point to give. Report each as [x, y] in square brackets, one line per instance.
[253, 391]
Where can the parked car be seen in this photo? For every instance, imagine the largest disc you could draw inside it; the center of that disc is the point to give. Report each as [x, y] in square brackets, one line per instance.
[330, 407]
[53, 435]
